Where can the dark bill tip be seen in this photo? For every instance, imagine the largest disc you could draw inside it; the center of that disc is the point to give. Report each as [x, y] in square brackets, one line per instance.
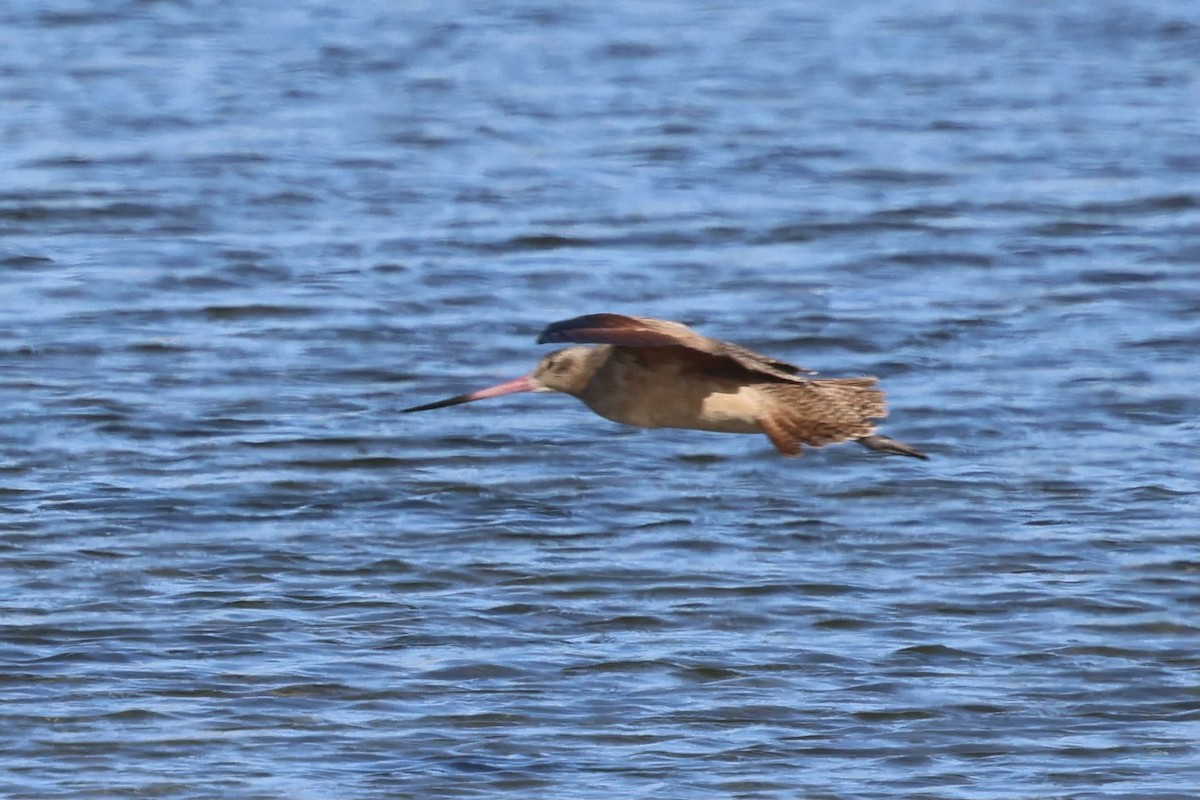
[523, 384]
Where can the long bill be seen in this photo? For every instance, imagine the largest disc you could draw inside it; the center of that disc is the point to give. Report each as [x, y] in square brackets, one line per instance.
[522, 384]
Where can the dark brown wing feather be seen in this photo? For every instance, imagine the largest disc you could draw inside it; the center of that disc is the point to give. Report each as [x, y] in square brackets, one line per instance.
[625, 331]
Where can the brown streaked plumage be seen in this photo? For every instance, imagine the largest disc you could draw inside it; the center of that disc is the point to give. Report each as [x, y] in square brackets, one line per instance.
[658, 374]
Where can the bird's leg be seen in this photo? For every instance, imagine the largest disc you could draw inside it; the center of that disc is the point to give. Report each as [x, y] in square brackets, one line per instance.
[885, 444]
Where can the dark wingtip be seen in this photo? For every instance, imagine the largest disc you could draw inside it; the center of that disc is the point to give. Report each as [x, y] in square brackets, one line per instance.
[560, 331]
[617, 329]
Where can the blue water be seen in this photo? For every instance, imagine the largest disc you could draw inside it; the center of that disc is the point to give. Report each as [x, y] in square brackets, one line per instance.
[237, 238]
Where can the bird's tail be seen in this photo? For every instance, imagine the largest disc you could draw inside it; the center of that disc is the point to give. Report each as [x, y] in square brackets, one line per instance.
[885, 444]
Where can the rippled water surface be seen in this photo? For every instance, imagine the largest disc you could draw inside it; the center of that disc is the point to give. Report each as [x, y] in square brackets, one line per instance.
[237, 238]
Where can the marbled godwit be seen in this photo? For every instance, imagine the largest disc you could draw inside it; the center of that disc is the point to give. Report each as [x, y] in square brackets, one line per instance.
[658, 374]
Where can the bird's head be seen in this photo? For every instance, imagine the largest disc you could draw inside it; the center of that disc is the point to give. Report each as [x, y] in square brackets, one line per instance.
[561, 371]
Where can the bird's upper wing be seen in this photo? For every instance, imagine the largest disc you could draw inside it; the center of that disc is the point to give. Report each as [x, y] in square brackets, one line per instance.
[644, 332]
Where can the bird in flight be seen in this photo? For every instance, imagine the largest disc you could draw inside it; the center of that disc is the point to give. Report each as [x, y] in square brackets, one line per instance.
[658, 374]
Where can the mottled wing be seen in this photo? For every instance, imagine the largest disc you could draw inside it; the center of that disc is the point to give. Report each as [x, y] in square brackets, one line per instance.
[625, 331]
[820, 412]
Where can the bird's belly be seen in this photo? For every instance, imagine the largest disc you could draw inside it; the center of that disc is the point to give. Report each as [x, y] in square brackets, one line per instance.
[729, 412]
[698, 404]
